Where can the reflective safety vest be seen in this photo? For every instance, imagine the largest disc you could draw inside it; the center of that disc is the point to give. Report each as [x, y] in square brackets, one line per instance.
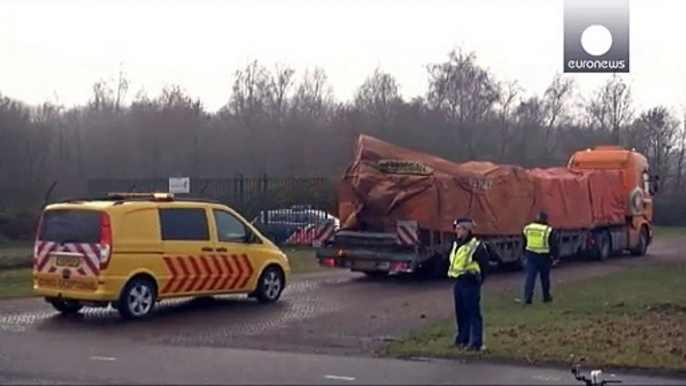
[461, 259]
[537, 238]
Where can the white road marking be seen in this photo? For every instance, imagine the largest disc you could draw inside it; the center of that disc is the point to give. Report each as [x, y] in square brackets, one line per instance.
[339, 378]
[103, 359]
[547, 378]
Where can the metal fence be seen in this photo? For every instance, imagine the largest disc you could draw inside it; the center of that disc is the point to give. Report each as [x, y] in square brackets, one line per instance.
[287, 210]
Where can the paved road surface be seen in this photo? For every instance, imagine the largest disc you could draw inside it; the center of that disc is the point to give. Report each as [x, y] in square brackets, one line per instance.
[328, 314]
[111, 361]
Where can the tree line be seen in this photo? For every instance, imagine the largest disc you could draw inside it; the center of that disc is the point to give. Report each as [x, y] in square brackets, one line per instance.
[282, 122]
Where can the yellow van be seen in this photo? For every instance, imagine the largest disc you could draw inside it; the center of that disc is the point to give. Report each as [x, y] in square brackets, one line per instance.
[131, 250]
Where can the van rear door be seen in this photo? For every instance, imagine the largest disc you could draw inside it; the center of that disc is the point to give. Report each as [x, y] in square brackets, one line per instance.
[69, 248]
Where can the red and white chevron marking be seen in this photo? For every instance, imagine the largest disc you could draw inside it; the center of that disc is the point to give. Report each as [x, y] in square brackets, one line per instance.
[407, 232]
[324, 233]
[90, 256]
[312, 234]
[306, 235]
[207, 273]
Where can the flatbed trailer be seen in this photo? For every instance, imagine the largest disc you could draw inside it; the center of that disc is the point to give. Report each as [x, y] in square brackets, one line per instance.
[411, 248]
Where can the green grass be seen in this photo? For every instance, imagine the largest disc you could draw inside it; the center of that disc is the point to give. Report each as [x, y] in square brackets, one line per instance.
[6, 244]
[15, 283]
[635, 318]
[17, 256]
[669, 232]
[302, 260]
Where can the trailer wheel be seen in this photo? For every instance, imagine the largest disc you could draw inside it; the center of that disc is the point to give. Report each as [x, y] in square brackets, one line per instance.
[603, 246]
[642, 248]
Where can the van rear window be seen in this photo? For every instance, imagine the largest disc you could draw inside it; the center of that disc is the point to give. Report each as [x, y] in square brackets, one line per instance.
[74, 226]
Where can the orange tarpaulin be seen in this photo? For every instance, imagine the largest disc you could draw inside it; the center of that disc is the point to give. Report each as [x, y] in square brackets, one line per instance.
[386, 183]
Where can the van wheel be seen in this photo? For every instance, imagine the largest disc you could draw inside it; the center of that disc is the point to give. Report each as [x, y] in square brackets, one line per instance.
[137, 300]
[270, 285]
[67, 307]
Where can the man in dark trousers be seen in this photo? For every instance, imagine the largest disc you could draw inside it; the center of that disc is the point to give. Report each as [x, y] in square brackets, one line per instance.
[468, 263]
[538, 249]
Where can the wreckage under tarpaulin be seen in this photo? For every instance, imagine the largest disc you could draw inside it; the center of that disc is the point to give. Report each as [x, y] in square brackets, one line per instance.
[386, 183]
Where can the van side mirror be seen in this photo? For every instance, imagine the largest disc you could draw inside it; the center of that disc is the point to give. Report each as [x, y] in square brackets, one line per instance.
[250, 236]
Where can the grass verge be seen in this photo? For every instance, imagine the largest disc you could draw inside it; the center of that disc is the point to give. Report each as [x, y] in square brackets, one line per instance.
[669, 232]
[12, 257]
[302, 260]
[15, 283]
[631, 319]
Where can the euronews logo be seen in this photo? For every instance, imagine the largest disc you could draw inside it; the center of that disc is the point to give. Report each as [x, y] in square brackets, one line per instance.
[596, 36]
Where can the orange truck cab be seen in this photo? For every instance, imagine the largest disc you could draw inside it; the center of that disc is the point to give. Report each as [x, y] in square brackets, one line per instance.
[639, 188]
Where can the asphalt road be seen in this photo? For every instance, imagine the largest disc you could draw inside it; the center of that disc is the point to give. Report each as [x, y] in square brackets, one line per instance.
[328, 328]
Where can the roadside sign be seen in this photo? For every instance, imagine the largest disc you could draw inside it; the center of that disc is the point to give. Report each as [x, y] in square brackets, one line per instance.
[179, 185]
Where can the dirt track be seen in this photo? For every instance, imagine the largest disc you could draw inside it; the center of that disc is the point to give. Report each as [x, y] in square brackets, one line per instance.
[338, 312]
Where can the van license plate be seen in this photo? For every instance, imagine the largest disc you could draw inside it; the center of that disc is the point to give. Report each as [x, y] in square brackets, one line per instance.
[67, 261]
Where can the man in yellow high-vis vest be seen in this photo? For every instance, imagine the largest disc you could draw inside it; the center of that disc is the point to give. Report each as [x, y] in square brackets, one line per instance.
[537, 247]
[468, 263]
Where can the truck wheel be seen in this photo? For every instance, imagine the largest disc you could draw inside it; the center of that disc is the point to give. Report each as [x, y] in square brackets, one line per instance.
[642, 248]
[66, 307]
[603, 246]
[270, 285]
[137, 299]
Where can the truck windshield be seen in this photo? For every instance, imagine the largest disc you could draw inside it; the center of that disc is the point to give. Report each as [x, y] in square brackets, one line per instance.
[74, 226]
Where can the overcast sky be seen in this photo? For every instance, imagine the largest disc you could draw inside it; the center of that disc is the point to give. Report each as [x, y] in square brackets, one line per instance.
[57, 48]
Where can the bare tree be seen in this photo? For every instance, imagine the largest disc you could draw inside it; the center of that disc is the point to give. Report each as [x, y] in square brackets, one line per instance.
[530, 118]
[465, 92]
[378, 97]
[654, 133]
[611, 107]
[281, 84]
[314, 96]
[681, 153]
[555, 99]
[122, 89]
[507, 105]
[103, 96]
[252, 93]
[283, 125]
